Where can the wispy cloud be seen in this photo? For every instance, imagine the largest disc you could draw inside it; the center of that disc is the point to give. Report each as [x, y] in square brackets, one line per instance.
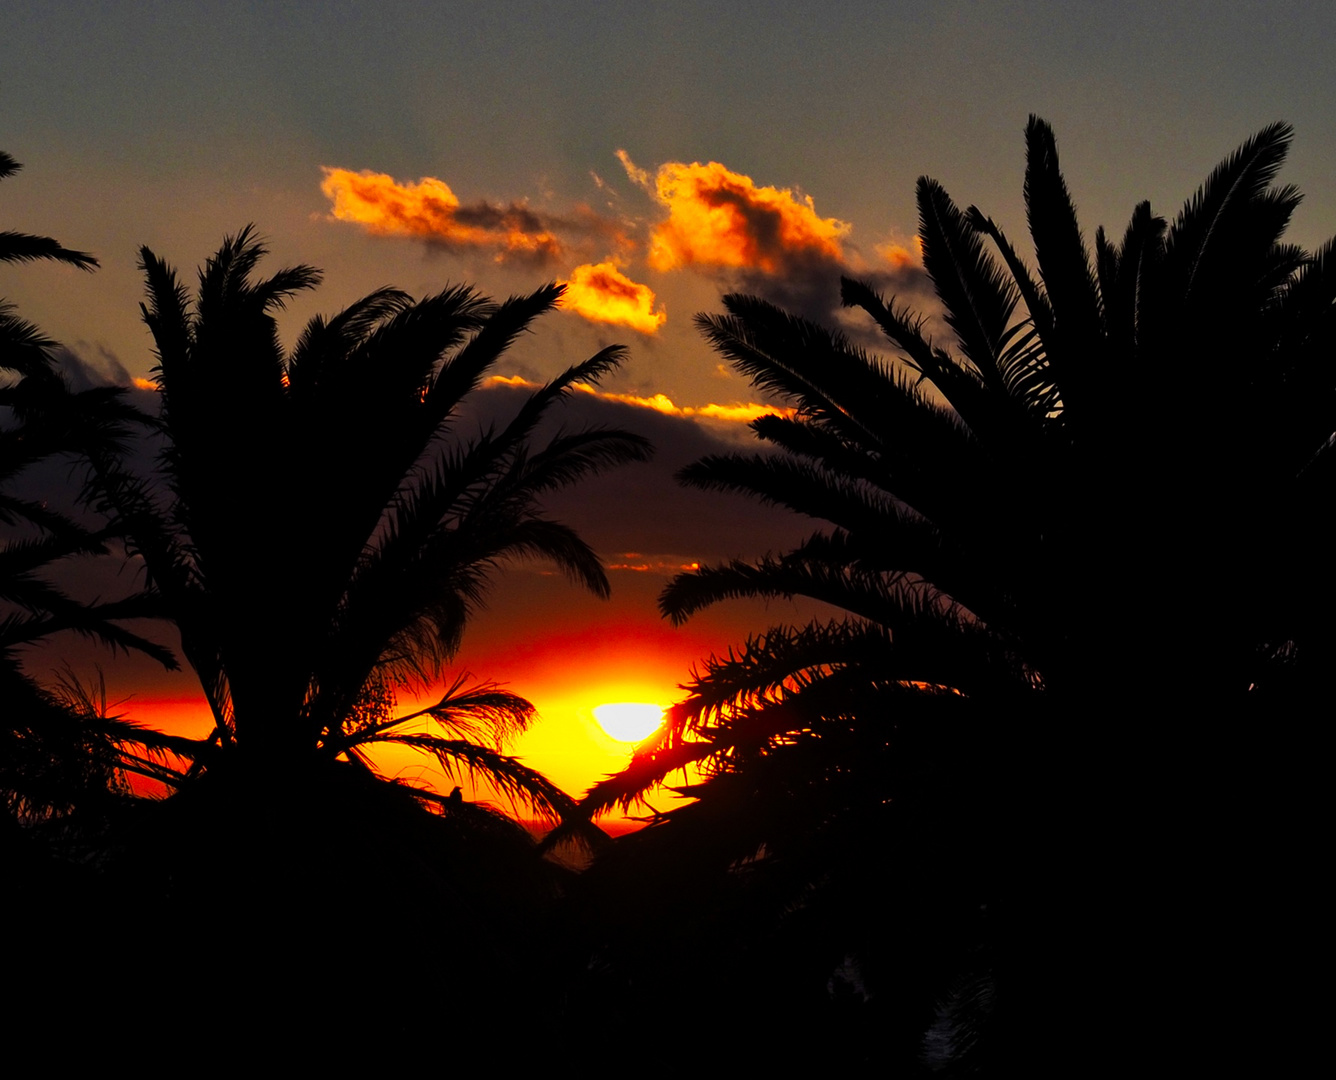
[431, 211]
[602, 293]
[637, 563]
[637, 175]
[741, 412]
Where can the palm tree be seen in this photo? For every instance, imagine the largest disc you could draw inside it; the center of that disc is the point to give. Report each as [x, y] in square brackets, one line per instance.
[320, 529]
[320, 524]
[58, 754]
[1020, 529]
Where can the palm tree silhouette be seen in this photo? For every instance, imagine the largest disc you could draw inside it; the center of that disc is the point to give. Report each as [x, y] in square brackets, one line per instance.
[320, 530]
[319, 525]
[59, 755]
[1014, 518]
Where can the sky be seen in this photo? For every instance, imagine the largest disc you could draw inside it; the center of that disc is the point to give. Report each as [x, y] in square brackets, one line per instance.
[654, 156]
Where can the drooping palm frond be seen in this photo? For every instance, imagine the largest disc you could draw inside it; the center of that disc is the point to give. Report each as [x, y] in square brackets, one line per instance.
[25, 247]
[812, 490]
[96, 620]
[477, 711]
[650, 767]
[462, 759]
[825, 376]
[65, 755]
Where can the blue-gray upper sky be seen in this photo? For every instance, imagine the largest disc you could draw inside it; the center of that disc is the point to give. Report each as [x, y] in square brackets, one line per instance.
[170, 124]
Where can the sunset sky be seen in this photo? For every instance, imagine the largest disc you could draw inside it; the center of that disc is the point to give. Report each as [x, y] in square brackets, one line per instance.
[652, 156]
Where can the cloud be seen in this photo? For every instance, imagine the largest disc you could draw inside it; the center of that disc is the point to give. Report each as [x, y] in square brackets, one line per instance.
[767, 241]
[740, 413]
[637, 175]
[720, 218]
[431, 211]
[602, 293]
[709, 221]
[899, 257]
[88, 366]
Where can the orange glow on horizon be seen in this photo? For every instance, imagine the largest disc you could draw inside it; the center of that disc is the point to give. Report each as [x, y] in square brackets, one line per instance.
[717, 217]
[567, 663]
[600, 292]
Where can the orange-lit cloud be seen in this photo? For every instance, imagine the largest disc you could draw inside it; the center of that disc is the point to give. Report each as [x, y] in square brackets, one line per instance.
[636, 174]
[430, 210]
[744, 412]
[720, 218]
[641, 564]
[899, 256]
[143, 384]
[602, 293]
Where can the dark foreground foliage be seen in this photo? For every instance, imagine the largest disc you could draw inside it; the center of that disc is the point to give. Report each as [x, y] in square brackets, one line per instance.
[1012, 795]
[1043, 794]
[318, 525]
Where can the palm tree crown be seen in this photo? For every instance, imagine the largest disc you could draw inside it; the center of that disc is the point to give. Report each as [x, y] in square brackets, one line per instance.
[1031, 495]
[1104, 489]
[320, 529]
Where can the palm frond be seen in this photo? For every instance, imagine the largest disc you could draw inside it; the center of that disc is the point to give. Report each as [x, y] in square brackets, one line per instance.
[881, 598]
[323, 360]
[25, 247]
[979, 298]
[167, 315]
[959, 383]
[648, 769]
[23, 347]
[817, 369]
[1208, 221]
[462, 373]
[1074, 348]
[1032, 292]
[478, 712]
[515, 781]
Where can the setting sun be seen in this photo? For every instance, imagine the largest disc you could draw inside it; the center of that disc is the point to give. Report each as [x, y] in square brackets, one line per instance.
[628, 721]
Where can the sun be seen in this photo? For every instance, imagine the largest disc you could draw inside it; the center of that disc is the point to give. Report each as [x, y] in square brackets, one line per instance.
[628, 721]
